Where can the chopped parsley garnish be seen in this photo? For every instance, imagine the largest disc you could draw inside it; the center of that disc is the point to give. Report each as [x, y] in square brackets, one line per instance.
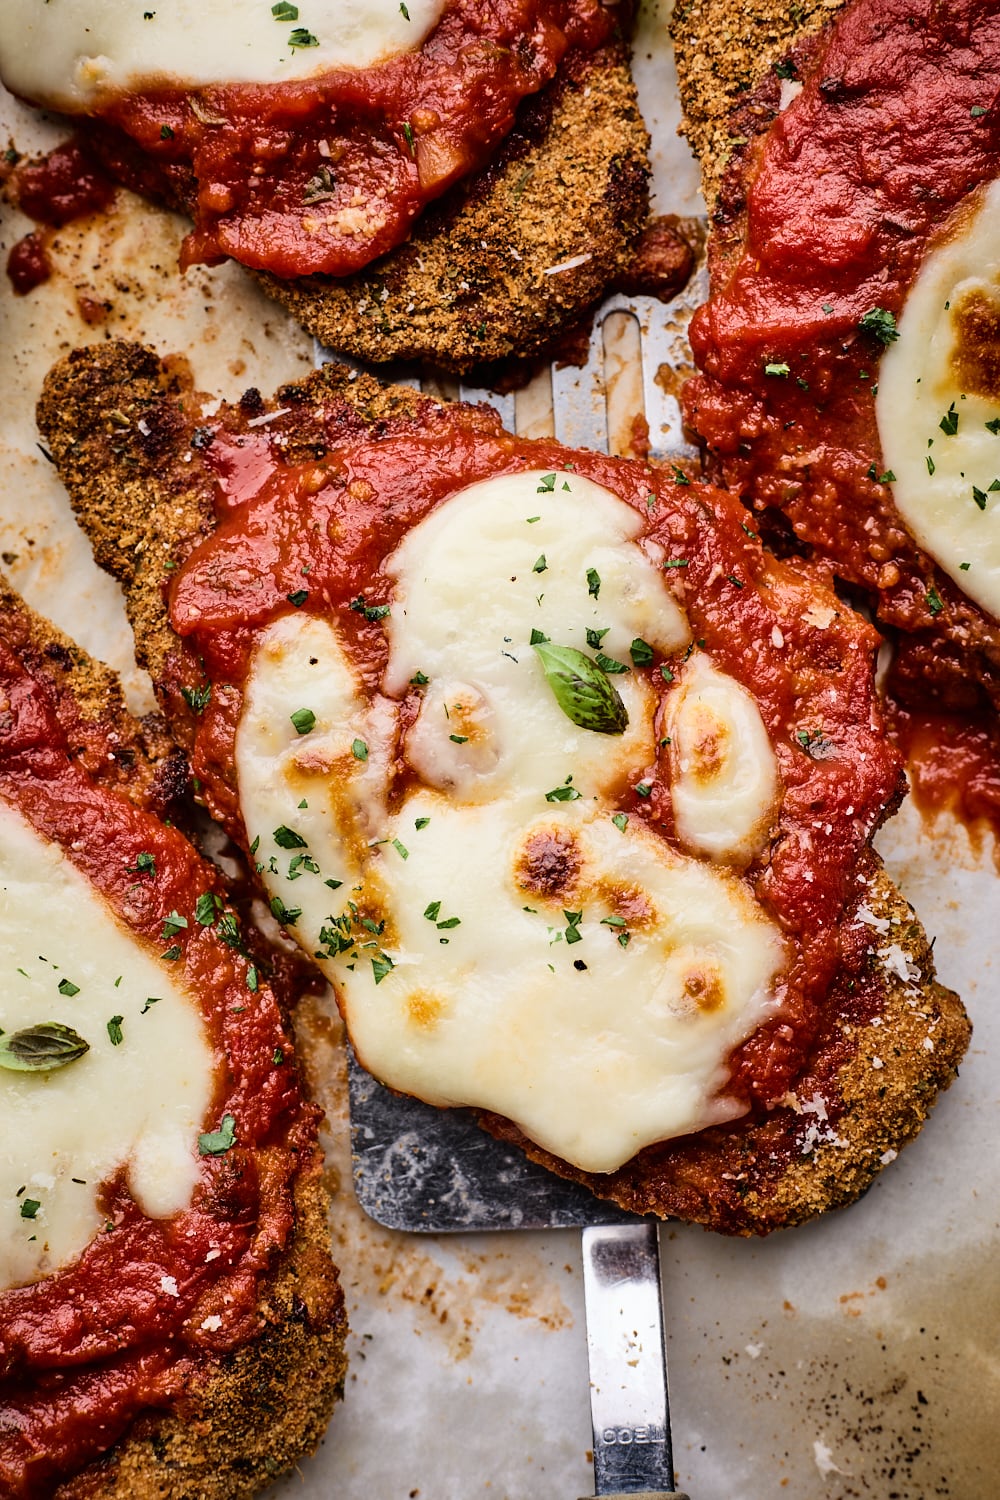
[287, 838]
[949, 422]
[880, 323]
[359, 750]
[420, 823]
[172, 923]
[537, 637]
[207, 908]
[547, 485]
[403, 11]
[68, 988]
[644, 788]
[145, 864]
[300, 37]
[459, 739]
[563, 794]
[218, 1142]
[419, 679]
[679, 475]
[298, 598]
[285, 12]
[29, 1207]
[933, 601]
[930, 464]
[613, 922]
[150, 1000]
[115, 1035]
[593, 582]
[370, 611]
[253, 982]
[400, 849]
[304, 719]
[573, 920]
[539, 565]
[785, 68]
[666, 673]
[408, 134]
[979, 496]
[620, 820]
[286, 915]
[433, 911]
[677, 562]
[172, 954]
[166, 134]
[609, 664]
[777, 369]
[595, 637]
[993, 426]
[381, 967]
[197, 699]
[641, 652]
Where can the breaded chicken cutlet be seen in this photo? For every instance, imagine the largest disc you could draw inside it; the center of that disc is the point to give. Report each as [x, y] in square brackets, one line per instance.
[526, 239]
[848, 389]
[194, 1353]
[837, 1069]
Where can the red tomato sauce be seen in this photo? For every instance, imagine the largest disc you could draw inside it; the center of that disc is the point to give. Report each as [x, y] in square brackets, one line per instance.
[824, 218]
[953, 761]
[84, 1350]
[323, 175]
[315, 537]
[28, 264]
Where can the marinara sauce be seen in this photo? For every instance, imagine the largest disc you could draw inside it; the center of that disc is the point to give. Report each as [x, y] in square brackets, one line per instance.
[84, 1350]
[324, 174]
[819, 230]
[314, 536]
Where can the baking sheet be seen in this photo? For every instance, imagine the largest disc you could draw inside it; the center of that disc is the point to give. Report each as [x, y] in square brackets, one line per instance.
[854, 1357]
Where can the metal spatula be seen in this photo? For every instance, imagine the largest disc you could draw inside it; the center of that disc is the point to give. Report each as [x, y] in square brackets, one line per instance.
[434, 1171]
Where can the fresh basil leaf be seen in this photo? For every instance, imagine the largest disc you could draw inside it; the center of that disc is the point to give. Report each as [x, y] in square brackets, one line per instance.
[582, 690]
[41, 1049]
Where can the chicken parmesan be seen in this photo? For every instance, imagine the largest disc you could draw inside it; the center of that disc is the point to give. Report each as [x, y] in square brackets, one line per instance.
[564, 782]
[306, 142]
[849, 388]
[164, 1274]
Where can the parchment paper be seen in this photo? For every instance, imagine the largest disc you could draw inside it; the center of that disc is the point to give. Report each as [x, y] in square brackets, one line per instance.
[855, 1357]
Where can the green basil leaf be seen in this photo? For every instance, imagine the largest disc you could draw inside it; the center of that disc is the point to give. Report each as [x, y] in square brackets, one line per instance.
[582, 690]
[41, 1049]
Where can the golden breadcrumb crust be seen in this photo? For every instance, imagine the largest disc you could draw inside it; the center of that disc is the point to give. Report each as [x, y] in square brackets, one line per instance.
[248, 1416]
[144, 509]
[723, 48]
[506, 260]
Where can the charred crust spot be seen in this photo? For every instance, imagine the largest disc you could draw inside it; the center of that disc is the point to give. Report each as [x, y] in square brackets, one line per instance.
[252, 402]
[975, 358]
[630, 902]
[549, 864]
[704, 988]
[424, 1009]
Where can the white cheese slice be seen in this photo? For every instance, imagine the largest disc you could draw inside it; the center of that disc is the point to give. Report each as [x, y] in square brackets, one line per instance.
[491, 947]
[138, 1105]
[69, 54]
[945, 368]
[724, 774]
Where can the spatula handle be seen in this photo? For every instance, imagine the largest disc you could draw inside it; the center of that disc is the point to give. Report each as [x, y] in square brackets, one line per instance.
[628, 1364]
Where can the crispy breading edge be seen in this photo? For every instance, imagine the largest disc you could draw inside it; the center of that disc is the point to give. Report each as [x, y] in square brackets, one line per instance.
[887, 1087]
[250, 1415]
[474, 281]
[91, 393]
[723, 48]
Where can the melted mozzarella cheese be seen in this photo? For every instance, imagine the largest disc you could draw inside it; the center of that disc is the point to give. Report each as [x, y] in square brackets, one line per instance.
[69, 53]
[724, 781]
[491, 947]
[137, 1105]
[944, 369]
